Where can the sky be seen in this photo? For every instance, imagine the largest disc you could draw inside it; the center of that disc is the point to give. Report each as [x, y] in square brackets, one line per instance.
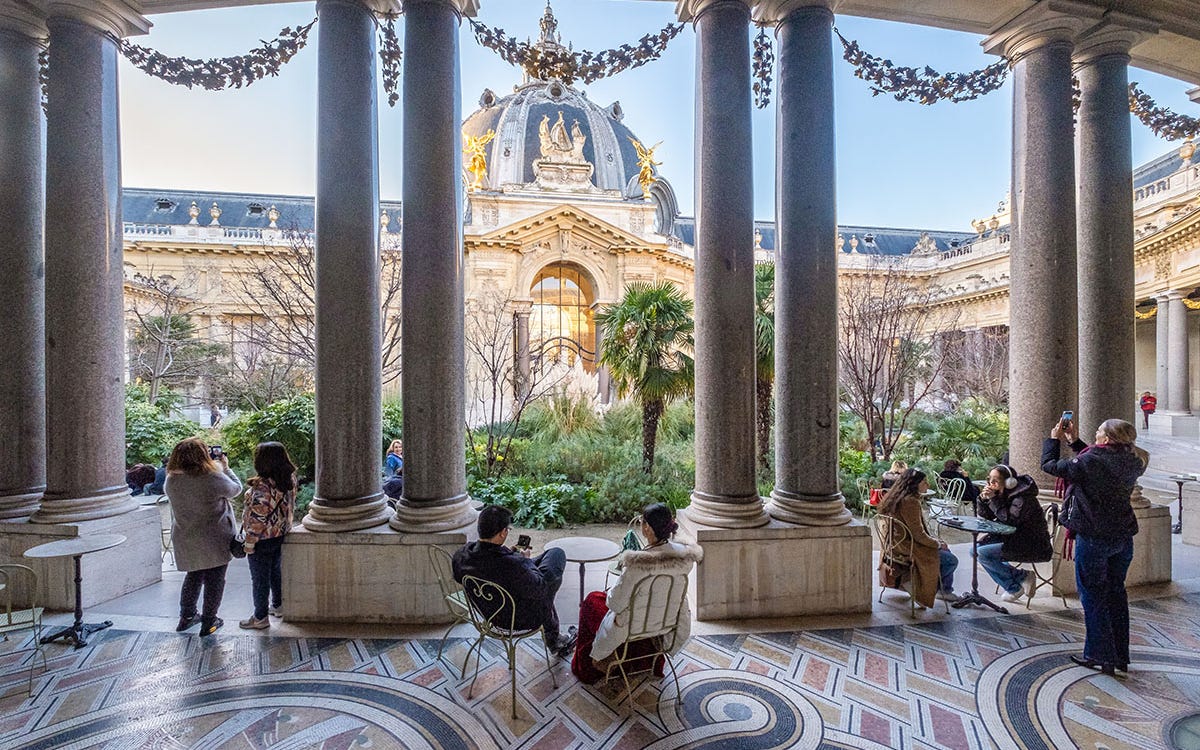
[899, 164]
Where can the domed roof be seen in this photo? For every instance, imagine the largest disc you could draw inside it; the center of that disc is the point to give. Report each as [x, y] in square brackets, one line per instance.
[516, 120]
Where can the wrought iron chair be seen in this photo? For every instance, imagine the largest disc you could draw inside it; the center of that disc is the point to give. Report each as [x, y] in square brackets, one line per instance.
[614, 568]
[1039, 579]
[493, 613]
[896, 547]
[14, 578]
[661, 629]
[452, 594]
[951, 491]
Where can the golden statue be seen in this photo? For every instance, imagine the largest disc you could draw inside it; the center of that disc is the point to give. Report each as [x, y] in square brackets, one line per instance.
[477, 157]
[646, 165]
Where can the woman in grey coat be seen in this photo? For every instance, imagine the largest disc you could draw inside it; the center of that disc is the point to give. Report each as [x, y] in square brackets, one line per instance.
[199, 489]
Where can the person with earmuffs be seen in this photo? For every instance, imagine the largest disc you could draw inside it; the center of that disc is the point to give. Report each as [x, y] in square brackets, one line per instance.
[1012, 499]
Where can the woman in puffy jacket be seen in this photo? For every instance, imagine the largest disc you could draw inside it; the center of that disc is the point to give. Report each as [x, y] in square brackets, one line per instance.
[266, 520]
[604, 620]
[1097, 512]
[1012, 499]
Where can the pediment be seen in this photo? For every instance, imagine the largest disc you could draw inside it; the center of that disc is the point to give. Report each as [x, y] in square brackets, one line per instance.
[551, 222]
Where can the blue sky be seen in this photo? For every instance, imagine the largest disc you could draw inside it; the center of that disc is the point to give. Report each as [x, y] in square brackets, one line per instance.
[899, 164]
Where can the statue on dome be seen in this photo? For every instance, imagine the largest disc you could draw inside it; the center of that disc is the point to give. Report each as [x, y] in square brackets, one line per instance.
[646, 165]
[473, 149]
[557, 145]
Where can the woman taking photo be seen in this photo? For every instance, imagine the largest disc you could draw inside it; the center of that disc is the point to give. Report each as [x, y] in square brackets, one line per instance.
[1012, 499]
[603, 621]
[199, 489]
[1097, 512]
[933, 563]
[266, 520]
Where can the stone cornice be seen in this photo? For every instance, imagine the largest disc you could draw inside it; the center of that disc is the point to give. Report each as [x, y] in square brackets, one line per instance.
[381, 7]
[690, 10]
[775, 11]
[120, 18]
[1115, 35]
[1048, 22]
[23, 18]
[467, 8]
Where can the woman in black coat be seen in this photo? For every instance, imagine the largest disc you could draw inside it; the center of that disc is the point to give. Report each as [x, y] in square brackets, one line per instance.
[1097, 512]
[1013, 500]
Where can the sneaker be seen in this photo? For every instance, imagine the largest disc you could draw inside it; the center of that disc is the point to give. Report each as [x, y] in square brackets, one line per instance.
[566, 643]
[186, 622]
[1029, 585]
[275, 611]
[946, 596]
[214, 627]
[250, 623]
[1014, 596]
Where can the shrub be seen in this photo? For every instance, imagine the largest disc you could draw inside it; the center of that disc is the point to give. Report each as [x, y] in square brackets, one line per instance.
[974, 431]
[560, 415]
[151, 435]
[393, 424]
[291, 422]
[535, 505]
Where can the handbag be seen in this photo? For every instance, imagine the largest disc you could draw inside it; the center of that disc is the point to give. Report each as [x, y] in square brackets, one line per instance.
[890, 574]
[631, 542]
[237, 545]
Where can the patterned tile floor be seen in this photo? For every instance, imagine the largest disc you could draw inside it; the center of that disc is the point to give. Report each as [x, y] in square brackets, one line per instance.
[955, 682]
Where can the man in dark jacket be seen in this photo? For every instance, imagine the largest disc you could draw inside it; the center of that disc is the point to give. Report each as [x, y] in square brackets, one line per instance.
[531, 582]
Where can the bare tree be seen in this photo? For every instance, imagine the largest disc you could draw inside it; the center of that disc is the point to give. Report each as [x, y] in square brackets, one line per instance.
[256, 377]
[886, 319]
[279, 289]
[167, 347]
[976, 365]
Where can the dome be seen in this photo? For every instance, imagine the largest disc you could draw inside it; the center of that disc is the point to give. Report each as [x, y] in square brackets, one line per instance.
[516, 120]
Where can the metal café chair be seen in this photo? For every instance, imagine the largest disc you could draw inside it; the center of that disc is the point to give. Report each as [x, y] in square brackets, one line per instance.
[661, 630]
[29, 618]
[452, 594]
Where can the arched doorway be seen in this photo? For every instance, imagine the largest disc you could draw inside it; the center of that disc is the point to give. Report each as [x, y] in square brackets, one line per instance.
[561, 326]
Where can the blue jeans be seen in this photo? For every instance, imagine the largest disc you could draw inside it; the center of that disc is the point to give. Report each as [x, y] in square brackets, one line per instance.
[1010, 578]
[266, 574]
[1100, 568]
[947, 562]
[551, 563]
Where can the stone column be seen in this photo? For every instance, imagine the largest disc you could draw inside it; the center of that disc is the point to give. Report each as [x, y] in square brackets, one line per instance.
[348, 346]
[22, 306]
[1043, 367]
[725, 493]
[521, 353]
[85, 318]
[1161, 353]
[603, 376]
[806, 298]
[435, 484]
[1105, 232]
[1178, 387]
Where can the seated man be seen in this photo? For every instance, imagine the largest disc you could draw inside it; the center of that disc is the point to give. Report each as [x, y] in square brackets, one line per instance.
[531, 582]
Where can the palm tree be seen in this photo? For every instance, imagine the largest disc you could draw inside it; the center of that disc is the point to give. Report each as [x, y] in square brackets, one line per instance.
[647, 349]
[764, 349]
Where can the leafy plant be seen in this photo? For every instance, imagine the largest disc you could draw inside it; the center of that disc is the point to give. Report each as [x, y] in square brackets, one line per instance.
[150, 434]
[292, 422]
[534, 505]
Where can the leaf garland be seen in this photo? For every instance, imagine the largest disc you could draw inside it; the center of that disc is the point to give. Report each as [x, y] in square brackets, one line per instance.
[763, 64]
[926, 86]
[1162, 122]
[389, 58]
[545, 63]
[220, 73]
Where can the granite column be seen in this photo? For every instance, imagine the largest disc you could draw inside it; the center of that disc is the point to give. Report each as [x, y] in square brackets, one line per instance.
[1178, 376]
[348, 335]
[1161, 353]
[22, 306]
[806, 285]
[435, 484]
[726, 494]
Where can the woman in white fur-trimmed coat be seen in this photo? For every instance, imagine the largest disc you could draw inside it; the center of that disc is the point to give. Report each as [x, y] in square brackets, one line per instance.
[603, 623]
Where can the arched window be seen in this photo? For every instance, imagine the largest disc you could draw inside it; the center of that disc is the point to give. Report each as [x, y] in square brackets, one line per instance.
[560, 324]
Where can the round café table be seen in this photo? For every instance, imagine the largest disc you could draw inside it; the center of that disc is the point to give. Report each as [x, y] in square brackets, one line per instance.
[75, 547]
[1180, 480]
[584, 550]
[976, 526]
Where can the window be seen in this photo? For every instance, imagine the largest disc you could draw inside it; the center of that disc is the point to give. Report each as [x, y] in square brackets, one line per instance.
[561, 325]
[164, 205]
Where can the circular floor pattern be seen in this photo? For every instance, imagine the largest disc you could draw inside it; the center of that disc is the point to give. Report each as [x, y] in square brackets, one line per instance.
[287, 711]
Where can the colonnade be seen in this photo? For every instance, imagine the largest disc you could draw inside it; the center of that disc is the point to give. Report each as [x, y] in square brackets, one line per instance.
[1172, 358]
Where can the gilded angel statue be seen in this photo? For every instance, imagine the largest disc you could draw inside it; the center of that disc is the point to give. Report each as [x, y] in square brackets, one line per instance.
[646, 165]
[477, 157]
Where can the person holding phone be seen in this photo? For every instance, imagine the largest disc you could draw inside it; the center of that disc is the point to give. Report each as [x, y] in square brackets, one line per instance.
[1097, 513]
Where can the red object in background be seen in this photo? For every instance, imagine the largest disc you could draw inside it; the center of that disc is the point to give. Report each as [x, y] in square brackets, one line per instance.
[1149, 404]
[876, 497]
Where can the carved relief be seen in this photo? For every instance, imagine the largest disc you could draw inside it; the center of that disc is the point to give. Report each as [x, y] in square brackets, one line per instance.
[1162, 267]
[637, 222]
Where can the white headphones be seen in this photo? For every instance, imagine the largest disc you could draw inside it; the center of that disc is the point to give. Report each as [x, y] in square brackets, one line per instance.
[1010, 483]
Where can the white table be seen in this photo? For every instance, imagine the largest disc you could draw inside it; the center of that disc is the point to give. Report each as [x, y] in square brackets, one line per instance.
[584, 550]
[75, 547]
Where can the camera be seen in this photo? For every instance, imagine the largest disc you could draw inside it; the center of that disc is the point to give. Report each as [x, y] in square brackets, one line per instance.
[215, 452]
[524, 542]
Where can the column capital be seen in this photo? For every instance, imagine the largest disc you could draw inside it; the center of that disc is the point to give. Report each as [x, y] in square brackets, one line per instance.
[1115, 35]
[382, 7]
[1048, 22]
[23, 19]
[468, 8]
[1194, 94]
[116, 17]
[777, 11]
[691, 10]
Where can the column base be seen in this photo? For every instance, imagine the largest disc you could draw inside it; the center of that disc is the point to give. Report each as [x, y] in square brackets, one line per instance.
[107, 574]
[21, 505]
[413, 518]
[728, 512]
[105, 503]
[372, 576]
[1151, 552]
[809, 510]
[1175, 424]
[325, 518]
[781, 570]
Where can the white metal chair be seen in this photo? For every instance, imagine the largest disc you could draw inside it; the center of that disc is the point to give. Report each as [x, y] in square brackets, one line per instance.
[23, 578]
[452, 594]
[493, 612]
[951, 495]
[896, 548]
[659, 629]
[1039, 579]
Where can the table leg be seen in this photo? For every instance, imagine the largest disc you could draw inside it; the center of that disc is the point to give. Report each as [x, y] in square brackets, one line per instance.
[973, 596]
[1178, 527]
[78, 632]
[582, 571]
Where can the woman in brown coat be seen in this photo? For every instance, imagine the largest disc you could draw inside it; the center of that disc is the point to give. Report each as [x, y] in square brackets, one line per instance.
[933, 563]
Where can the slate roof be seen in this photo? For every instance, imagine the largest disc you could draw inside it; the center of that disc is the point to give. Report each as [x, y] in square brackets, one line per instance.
[887, 241]
[153, 206]
[1167, 164]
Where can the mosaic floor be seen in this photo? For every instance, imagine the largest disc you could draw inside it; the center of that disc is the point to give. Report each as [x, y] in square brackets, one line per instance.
[1001, 682]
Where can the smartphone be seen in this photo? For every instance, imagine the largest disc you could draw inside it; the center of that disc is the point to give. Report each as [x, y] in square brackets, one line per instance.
[524, 542]
[215, 451]
[1067, 416]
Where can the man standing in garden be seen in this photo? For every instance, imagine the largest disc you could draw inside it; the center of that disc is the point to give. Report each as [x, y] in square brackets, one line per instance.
[531, 582]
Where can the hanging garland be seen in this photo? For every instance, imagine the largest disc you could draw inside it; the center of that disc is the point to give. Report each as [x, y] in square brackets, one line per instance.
[1162, 122]
[389, 58]
[545, 63]
[763, 63]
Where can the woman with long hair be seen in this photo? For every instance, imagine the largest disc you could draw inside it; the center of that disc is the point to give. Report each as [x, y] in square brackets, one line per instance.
[1012, 498]
[266, 520]
[1097, 513]
[933, 563]
[199, 489]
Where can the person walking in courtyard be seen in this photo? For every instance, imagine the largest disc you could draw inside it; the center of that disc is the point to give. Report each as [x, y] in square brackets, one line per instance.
[199, 490]
[1148, 404]
[604, 620]
[266, 520]
[1097, 513]
[933, 563]
[1012, 499]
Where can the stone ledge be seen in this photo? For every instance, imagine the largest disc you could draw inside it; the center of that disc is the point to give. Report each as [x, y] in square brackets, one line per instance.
[1151, 552]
